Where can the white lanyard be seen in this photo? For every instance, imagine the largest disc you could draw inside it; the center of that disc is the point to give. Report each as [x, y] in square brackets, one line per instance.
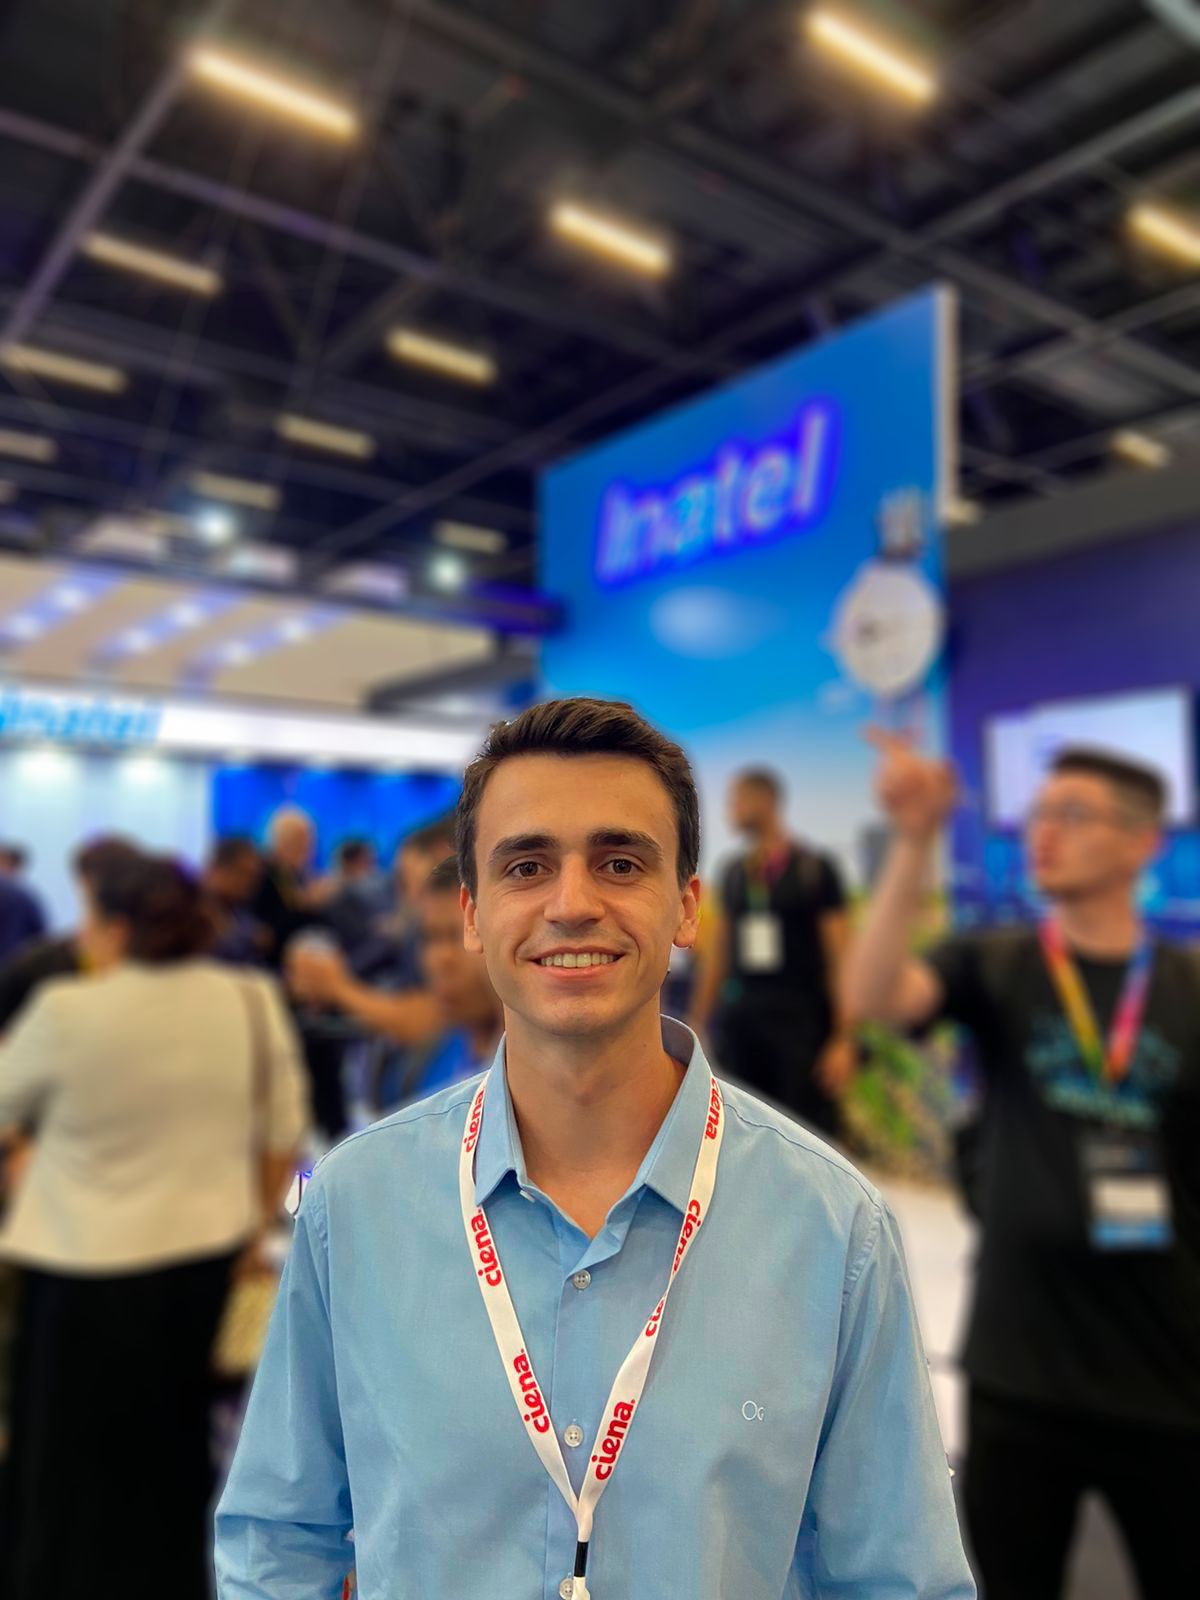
[626, 1391]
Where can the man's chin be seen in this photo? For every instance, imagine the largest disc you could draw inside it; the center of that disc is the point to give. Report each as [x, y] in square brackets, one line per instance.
[577, 1016]
[1057, 886]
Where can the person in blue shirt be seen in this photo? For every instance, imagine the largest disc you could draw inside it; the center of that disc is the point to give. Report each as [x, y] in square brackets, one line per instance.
[459, 982]
[451, 1025]
[782, 1442]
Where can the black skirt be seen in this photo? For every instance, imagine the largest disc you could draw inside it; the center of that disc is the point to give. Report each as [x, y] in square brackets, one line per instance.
[108, 1480]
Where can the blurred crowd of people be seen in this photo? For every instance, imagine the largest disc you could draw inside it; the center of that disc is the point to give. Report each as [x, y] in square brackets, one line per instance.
[169, 1064]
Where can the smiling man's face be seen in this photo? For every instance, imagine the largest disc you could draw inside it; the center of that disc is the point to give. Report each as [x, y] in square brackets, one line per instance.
[578, 900]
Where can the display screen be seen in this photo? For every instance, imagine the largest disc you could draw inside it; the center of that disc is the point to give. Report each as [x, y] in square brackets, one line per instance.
[1153, 727]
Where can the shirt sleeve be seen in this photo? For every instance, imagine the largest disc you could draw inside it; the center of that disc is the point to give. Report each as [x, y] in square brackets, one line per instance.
[880, 1519]
[958, 963]
[287, 1086]
[30, 1060]
[16, 984]
[831, 890]
[36, 921]
[283, 1522]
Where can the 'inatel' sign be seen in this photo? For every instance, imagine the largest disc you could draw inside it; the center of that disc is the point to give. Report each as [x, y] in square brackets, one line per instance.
[742, 496]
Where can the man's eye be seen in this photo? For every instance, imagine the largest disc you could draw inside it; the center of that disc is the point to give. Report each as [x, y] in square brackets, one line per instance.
[524, 869]
[622, 867]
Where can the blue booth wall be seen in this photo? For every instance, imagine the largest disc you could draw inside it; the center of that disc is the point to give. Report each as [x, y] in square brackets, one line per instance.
[383, 807]
[717, 616]
[1114, 618]
[52, 800]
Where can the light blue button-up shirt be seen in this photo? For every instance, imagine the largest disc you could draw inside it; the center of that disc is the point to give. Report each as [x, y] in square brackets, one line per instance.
[786, 1444]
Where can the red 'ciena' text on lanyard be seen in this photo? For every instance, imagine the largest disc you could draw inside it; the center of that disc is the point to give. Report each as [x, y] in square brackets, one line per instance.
[626, 1392]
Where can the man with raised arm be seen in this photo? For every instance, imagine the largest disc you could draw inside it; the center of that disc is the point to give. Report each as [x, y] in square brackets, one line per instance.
[1083, 1352]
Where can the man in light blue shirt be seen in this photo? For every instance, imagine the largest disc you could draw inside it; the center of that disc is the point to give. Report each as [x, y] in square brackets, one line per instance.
[785, 1444]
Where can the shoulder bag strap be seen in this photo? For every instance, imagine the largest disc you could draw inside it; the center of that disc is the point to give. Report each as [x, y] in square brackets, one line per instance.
[252, 1002]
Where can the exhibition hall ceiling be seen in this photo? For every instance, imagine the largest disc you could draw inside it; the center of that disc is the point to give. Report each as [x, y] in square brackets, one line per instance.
[65, 623]
[334, 281]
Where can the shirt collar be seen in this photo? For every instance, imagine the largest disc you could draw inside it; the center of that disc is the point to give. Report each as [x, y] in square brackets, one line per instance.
[669, 1163]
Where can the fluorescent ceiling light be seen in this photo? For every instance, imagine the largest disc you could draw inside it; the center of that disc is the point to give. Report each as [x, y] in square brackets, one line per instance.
[960, 513]
[239, 491]
[1168, 231]
[155, 264]
[295, 630]
[285, 96]
[608, 237]
[67, 369]
[269, 563]
[187, 614]
[462, 536]
[215, 527]
[454, 360]
[368, 580]
[872, 55]
[138, 539]
[24, 628]
[136, 643]
[236, 654]
[1140, 448]
[27, 446]
[447, 572]
[70, 597]
[324, 436]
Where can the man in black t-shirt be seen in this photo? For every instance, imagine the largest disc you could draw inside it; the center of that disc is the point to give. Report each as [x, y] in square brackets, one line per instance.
[767, 982]
[1083, 1351]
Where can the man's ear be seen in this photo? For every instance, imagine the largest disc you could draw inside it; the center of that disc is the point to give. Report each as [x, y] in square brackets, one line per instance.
[471, 939]
[689, 918]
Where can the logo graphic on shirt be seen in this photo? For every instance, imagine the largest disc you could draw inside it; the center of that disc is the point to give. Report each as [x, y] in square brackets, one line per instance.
[537, 1415]
[690, 1223]
[610, 1446]
[1052, 1056]
[489, 1261]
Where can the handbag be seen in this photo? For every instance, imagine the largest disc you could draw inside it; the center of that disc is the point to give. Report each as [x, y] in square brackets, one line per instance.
[242, 1331]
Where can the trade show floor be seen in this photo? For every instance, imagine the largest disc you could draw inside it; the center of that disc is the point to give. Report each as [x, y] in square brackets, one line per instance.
[939, 1243]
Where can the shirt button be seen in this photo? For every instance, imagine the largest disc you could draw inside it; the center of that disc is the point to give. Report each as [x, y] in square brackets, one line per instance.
[581, 1281]
[573, 1435]
[567, 1588]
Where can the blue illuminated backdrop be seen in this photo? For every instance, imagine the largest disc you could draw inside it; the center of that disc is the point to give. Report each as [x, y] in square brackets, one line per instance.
[734, 566]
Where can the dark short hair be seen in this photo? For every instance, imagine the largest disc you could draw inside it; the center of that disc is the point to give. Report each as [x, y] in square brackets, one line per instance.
[762, 778]
[582, 728]
[430, 835]
[1141, 788]
[353, 851]
[445, 878]
[99, 855]
[232, 849]
[161, 902]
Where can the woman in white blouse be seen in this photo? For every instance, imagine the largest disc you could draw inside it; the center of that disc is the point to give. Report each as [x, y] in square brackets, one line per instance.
[166, 1101]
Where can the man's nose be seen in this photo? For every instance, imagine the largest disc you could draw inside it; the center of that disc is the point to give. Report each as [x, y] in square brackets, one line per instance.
[574, 898]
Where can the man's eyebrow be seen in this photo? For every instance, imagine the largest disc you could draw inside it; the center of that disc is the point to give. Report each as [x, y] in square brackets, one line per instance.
[531, 844]
[626, 839]
[521, 844]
